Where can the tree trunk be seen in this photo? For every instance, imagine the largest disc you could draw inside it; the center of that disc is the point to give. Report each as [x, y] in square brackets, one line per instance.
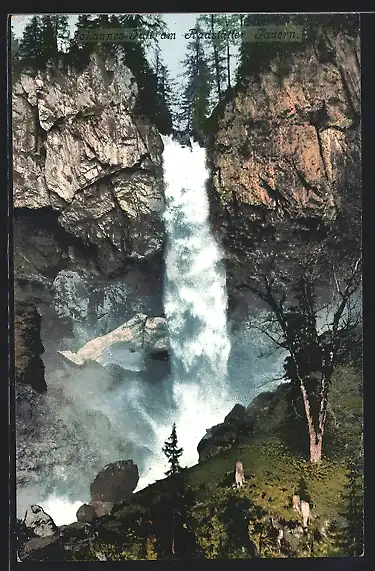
[197, 46]
[316, 442]
[216, 59]
[228, 64]
[316, 439]
[228, 55]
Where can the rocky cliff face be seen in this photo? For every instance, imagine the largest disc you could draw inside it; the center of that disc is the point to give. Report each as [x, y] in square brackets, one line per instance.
[87, 181]
[80, 152]
[29, 367]
[286, 149]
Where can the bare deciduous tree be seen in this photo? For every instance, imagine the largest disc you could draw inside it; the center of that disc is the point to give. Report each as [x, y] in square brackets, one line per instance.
[311, 330]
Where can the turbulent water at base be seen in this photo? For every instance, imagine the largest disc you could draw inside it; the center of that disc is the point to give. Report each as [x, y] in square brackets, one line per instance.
[90, 417]
[195, 303]
[195, 299]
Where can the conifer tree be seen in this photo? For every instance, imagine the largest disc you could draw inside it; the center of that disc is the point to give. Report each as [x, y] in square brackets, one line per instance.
[153, 24]
[29, 49]
[173, 453]
[14, 51]
[150, 99]
[153, 88]
[176, 536]
[14, 43]
[164, 99]
[231, 22]
[107, 48]
[54, 34]
[219, 46]
[215, 48]
[196, 93]
[79, 51]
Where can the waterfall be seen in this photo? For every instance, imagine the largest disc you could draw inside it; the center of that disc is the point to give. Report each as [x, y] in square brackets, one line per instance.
[87, 420]
[195, 298]
[195, 304]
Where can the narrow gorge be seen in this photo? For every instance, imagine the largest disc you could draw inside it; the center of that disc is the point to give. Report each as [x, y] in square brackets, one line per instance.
[94, 413]
[157, 282]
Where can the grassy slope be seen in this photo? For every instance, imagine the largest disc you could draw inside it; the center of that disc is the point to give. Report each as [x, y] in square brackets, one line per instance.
[272, 472]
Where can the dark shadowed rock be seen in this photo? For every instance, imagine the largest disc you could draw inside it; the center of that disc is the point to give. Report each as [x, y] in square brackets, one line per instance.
[75, 530]
[38, 522]
[260, 402]
[64, 545]
[102, 508]
[217, 439]
[28, 347]
[42, 549]
[239, 423]
[157, 366]
[85, 513]
[237, 413]
[115, 482]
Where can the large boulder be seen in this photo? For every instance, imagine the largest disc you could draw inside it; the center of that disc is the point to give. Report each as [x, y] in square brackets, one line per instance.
[115, 482]
[85, 513]
[217, 439]
[102, 508]
[64, 545]
[38, 522]
[155, 335]
[222, 437]
[237, 414]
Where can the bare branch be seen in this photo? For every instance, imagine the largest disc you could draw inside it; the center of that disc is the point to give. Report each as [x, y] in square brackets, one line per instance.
[282, 378]
[277, 342]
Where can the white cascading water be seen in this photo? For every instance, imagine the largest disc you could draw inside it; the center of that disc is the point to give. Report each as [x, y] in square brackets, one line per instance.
[195, 304]
[197, 393]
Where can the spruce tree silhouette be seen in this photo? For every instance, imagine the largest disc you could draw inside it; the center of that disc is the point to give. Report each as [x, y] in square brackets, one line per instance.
[173, 453]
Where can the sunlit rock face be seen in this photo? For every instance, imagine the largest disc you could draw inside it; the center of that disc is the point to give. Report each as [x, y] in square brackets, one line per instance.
[285, 150]
[79, 150]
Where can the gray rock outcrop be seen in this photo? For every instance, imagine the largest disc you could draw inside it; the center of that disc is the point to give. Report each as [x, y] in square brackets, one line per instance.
[42, 549]
[141, 333]
[38, 522]
[102, 508]
[79, 150]
[241, 423]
